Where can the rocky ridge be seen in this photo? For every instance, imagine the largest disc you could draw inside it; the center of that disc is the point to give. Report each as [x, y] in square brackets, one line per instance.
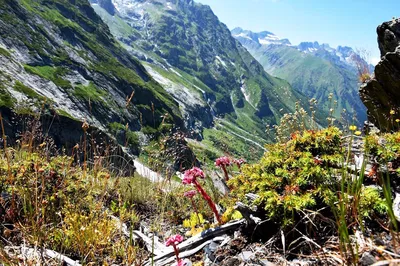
[381, 93]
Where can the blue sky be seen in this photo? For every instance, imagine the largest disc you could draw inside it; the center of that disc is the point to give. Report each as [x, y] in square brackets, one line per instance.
[337, 22]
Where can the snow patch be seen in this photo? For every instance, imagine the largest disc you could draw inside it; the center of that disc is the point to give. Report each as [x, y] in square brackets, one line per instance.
[264, 41]
[243, 35]
[273, 39]
[146, 172]
[200, 89]
[127, 6]
[176, 72]
[246, 95]
[221, 61]
[270, 38]
[183, 95]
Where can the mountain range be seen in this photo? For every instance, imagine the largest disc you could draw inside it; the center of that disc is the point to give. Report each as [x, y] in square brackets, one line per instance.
[150, 66]
[314, 69]
[220, 87]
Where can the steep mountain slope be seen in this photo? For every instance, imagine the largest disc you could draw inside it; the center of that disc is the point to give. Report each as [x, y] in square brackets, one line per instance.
[189, 51]
[61, 52]
[314, 69]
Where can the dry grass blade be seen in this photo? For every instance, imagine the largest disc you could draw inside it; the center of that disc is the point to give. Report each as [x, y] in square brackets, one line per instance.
[383, 250]
[128, 100]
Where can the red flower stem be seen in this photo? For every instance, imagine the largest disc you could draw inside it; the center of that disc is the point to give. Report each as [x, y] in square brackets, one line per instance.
[208, 199]
[225, 173]
[176, 253]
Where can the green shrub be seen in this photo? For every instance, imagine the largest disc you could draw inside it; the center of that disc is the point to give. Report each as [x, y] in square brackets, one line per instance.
[371, 201]
[148, 130]
[131, 137]
[303, 173]
[6, 100]
[115, 126]
[385, 147]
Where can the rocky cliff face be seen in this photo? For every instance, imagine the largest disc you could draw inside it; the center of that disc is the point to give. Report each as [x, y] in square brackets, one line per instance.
[381, 94]
[64, 55]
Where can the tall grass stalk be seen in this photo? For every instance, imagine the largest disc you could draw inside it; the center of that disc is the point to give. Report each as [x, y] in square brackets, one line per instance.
[348, 205]
[387, 193]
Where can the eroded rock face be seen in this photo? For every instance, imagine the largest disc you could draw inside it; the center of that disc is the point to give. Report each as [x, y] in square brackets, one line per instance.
[381, 94]
[389, 36]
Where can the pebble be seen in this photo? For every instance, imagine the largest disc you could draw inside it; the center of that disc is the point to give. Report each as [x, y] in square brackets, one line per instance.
[367, 259]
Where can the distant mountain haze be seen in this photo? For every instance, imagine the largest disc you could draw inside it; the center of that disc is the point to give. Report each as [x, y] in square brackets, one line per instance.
[312, 68]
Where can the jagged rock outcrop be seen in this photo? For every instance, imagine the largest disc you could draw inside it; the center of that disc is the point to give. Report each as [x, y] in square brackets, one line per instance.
[381, 93]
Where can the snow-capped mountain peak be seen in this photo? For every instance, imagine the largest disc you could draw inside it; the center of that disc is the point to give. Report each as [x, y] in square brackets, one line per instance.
[266, 38]
[340, 55]
[260, 38]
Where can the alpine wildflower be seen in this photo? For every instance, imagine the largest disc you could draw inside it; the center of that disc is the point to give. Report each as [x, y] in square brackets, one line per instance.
[239, 162]
[174, 241]
[223, 162]
[190, 177]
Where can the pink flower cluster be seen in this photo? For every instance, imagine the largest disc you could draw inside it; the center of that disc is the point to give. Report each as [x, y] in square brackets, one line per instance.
[239, 161]
[174, 240]
[190, 175]
[223, 161]
[190, 194]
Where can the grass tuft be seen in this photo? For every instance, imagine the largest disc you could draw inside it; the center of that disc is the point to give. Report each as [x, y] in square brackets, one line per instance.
[5, 52]
[89, 92]
[20, 87]
[50, 73]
